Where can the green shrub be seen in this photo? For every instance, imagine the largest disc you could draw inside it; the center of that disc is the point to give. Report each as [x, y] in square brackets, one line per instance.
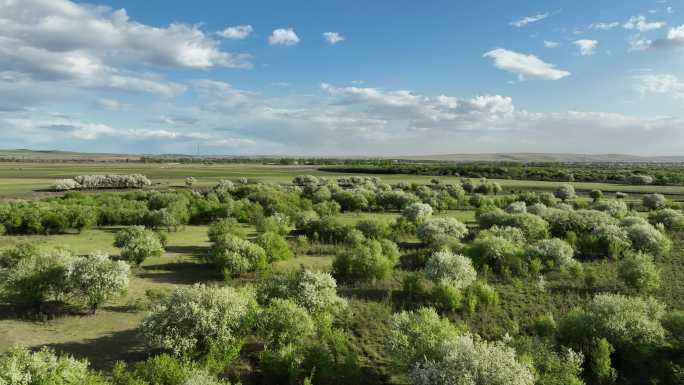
[639, 272]
[275, 246]
[366, 261]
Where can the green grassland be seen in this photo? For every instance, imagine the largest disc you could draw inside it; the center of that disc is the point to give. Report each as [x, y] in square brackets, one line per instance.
[112, 333]
[28, 179]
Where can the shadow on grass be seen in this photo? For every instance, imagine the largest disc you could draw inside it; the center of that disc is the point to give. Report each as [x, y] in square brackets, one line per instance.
[195, 251]
[180, 273]
[365, 293]
[103, 352]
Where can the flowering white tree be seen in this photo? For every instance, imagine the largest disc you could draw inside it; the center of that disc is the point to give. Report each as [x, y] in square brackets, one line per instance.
[516, 208]
[137, 244]
[565, 192]
[417, 212]
[627, 320]
[435, 353]
[433, 228]
[96, 279]
[452, 269]
[654, 201]
[65, 184]
[468, 360]
[192, 319]
[647, 238]
[553, 251]
[20, 366]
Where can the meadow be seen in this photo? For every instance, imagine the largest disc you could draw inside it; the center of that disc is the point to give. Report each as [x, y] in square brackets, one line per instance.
[525, 294]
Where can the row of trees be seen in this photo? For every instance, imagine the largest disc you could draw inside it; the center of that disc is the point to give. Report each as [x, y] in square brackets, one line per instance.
[109, 181]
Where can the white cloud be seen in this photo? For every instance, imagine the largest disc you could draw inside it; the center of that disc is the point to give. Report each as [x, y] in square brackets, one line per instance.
[641, 24]
[604, 26]
[669, 10]
[237, 32]
[660, 84]
[99, 33]
[67, 46]
[109, 104]
[333, 37]
[529, 19]
[674, 39]
[587, 47]
[283, 36]
[525, 66]
[551, 44]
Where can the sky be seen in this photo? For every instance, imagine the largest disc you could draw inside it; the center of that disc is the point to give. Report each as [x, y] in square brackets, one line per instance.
[332, 78]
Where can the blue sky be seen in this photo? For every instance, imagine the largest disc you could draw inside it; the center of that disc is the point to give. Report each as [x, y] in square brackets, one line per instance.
[343, 78]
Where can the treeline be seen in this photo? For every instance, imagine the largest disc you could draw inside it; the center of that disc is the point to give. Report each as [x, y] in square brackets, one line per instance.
[556, 172]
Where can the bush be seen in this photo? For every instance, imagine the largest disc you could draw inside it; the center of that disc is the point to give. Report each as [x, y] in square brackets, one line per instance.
[234, 256]
[623, 321]
[554, 253]
[545, 326]
[446, 297]
[97, 279]
[316, 292]
[565, 192]
[277, 223]
[654, 201]
[516, 208]
[433, 228]
[138, 245]
[596, 195]
[192, 320]
[454, 270]
[374, 228]
[163, 369]
[496, 252]
[36, 277]
[219, 230]
[638, 272]
[19, 366]
[648, 239]
[437, 354]
[275, 246]
[600, 361]
[417, 212]
[366, 261]
[283, 322]
[671, 219]
[415, 336]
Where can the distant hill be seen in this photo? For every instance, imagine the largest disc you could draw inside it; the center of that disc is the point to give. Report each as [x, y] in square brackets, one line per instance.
[68, 156]
[547, 157]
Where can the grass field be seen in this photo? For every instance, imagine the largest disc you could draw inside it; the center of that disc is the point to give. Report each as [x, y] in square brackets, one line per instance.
[25, 180]
[112, 333]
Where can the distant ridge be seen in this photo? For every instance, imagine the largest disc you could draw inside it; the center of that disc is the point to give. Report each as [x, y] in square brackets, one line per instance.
[57, 155]
[547, 157]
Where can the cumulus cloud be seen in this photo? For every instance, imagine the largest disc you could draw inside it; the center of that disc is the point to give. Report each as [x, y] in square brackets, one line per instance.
[237, 32]
[67, 46]
[660, 84]
[529, 19]
[587, 47]
[551, 44]
[333, 37]
[283, 36]
[525, 66]
[674, 39]
[604, 26]
[641, 24]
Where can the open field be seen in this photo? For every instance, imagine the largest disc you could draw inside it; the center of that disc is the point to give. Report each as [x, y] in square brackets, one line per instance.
[25, 180]
[112, 334]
